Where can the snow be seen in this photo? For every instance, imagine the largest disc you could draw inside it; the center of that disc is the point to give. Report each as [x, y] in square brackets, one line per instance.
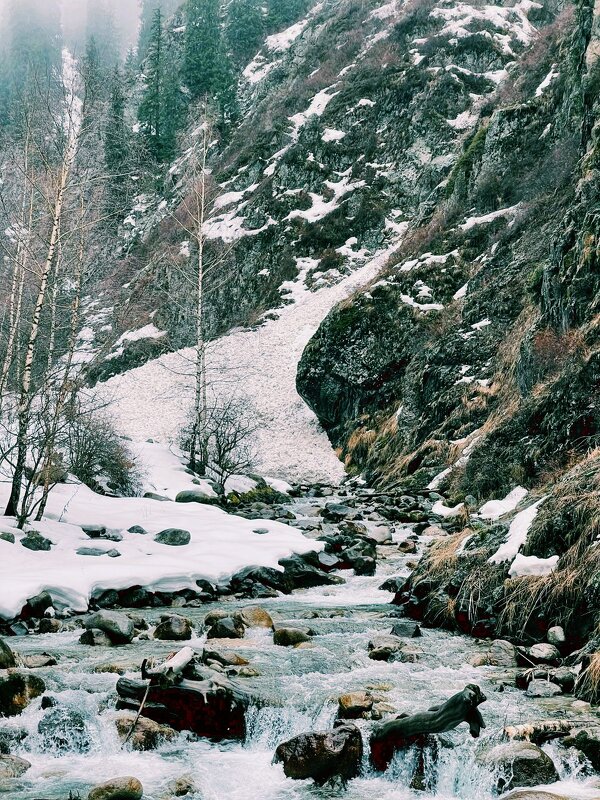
[463, 121]
[445, 511]
[321, 208]
[532, 566]
[547, 81]
[517, 534]
[332, 135]
[486, 218]
[495, 509]
[462, 292]
[147, 332]
[282, 41]
[220, 546]
[439, 478]
[260, 365]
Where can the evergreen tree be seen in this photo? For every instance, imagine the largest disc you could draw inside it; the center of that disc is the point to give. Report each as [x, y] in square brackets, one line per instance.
[101, 27]
[203, 47]
[245, 30]
[150, 112]
[117, 150]
[149, 8]
[94, 76]
[173, 107]
[283, 13]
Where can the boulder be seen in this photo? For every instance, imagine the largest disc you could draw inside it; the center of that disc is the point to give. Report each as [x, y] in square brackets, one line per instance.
[380, 534]
[543, 688]
[226, 628]
[225, 659]
[64, 730]
[91, 551]
[406, 630]
[499, 654]
[100, 532]
[323, 755]
[383, 648]
[181, 787]
[290, 637]
[303, 575]
[408, 547]
[94, 637]
[174, 537]
[587, 741]
[39, 660]
[147, 734]
[246, 579]
[173, 628]
[535, 794]
[35, 541]
[17, 690]
[355, 705]
[49, 625]
[542, 653]
[7, 536]
[337, 512]
[118, 626]
[118, 789]
[7, 657]
[215, 616]
[255, 617]
[12, 767]
[36, 606]
[556, 636]
[195, 496]
[137, 529]
[519, 764]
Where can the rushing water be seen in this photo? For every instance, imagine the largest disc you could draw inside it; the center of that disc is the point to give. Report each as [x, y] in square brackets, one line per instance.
[301, 687]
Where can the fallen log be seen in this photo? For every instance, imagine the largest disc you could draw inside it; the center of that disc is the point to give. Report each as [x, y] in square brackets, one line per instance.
[407, 730]
[213, 708]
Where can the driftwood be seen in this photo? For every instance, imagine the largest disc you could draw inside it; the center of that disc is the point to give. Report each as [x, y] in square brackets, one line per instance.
[213, 708]
[407, 730]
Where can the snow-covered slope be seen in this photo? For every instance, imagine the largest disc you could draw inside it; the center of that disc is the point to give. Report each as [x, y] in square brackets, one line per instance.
[258, 366]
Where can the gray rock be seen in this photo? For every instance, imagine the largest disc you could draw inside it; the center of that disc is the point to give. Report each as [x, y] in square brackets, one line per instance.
[290, 637]
[64, 730]
[355, 705]
[118, 626]
[100, 532]
[175, 537]
[6, 536]
[118, 789]
[226, 628]
[17, 690]
[137, 529]
[174, 628]
[35, 541]
[406, 630]
[541, 688]
[538, 654]
[556, 636]
[95, 638]
[520, 764]
[12, 767]
[195, 496]
[7, 657]
[91, 551]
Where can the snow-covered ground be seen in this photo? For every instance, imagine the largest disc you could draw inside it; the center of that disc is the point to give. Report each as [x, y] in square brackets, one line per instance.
[260, 367]
[220, 545]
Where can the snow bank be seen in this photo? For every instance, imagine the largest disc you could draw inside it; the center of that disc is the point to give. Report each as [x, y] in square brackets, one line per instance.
[220, 545]
[497, 508]
[517, 534]
[445, 511]
[532, 566]
[260, 367]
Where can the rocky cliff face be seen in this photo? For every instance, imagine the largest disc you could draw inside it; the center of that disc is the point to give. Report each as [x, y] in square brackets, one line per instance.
[481, 333]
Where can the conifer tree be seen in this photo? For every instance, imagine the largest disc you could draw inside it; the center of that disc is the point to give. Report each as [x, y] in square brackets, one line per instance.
[202, 49]
[150, 112]
[245, 30]
[283, 13]
[116, 151]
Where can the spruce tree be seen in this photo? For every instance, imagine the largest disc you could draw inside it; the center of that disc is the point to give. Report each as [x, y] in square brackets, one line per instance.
[94, 76]
[101, 26]
[116, 151]
[202, 48]
[245, 30]
[150, 113]
[283, 13]
[173, 106]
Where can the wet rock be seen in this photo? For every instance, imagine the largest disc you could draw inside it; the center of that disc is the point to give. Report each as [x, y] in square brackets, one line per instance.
[11, 738]
[49, 625]
[135, 597]
[324, 755]
[303, 575]
[39, 660]
[520, 764]
[35, 541]
[118, 626]
[406, 630]
[290, 637]
[587, 741]
[36, 606]
[499, 654]
[542, 653]
[255, 617]
[174, 537]
[383, 648]
[327, 561]
[94, 637]
[17, 690]
[48, 701]
[556, 636]
[174, 628]
[181, 787]
[7, 657]
[536, 794]
[64, 730]
[226, 628]
[380, 534]
[543, 688]
[147, 735]
[337, 512]
[12, 767]
[355, 705]
[215, 616]
[408, 547]
[252, 578]
[118, 789]
[226, 658]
